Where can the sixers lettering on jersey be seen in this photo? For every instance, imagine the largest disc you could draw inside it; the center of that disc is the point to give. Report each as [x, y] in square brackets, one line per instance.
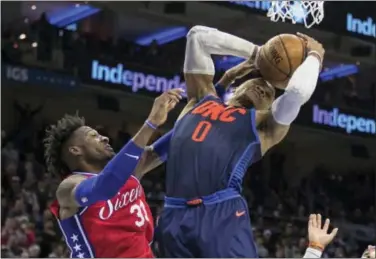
[122, 200]
[119, 227]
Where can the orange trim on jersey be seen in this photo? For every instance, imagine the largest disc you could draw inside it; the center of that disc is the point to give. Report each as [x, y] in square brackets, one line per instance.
[194, 202]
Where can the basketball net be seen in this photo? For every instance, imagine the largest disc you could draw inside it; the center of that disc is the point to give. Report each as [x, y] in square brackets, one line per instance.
[307, 12]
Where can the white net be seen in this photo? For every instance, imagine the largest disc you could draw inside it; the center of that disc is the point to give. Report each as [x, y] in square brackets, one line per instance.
[307, 12]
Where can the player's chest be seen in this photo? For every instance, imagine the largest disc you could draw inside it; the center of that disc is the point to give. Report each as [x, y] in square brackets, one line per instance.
[127, 202]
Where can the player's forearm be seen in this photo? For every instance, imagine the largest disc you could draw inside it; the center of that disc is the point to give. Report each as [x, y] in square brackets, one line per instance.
[236, 72]
[149, 161]
[161, 146]
[231, 75]
[312, 253]
[204, 41]
[300, 88]
[221, 43]
[155, 155]
[117, 171]
[142, 137]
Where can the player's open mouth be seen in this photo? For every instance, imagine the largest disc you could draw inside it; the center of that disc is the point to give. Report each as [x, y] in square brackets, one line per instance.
[108, 147]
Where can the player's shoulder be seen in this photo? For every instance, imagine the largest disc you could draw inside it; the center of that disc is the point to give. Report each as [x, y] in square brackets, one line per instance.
[132, 182]
[65, 188]
[71, 180]
[212, 97]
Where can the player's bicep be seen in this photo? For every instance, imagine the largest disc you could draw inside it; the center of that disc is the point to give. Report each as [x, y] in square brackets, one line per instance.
[199, 68]
[199, 85]
[270, 131]
[65, 193]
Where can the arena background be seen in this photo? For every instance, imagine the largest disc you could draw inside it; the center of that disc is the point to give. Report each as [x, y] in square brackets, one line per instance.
[52, 54]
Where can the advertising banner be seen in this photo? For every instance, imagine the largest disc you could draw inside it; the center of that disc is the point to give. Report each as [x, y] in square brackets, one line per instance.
[15, 73]
[129, 77]
[337, 120]
[151, 82]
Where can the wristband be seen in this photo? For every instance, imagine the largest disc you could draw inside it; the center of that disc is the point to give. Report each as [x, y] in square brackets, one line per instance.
[316, 246]
[151, 125]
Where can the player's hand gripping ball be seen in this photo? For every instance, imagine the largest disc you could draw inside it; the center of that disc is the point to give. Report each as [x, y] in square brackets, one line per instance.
[280, 57]
[313, 47]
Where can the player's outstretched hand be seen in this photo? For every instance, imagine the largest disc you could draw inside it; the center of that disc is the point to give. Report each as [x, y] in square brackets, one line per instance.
[369, 252]
[313, 46]
[163, 104]
[318, 234]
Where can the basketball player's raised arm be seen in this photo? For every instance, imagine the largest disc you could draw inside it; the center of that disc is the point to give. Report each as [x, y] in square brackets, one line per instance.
[273, 125]
[244, 68]
[202, 42]
[318, 236]
[79, 191]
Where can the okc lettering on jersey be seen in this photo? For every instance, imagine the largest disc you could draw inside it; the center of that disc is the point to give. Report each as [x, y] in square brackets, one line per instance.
[216, 111]
[122, 200]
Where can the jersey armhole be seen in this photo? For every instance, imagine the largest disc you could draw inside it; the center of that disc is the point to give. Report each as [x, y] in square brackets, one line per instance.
[253, 124]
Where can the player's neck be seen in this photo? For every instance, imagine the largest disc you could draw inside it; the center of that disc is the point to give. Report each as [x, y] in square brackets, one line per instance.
[91, 168]
[233, 103]
[236, 103]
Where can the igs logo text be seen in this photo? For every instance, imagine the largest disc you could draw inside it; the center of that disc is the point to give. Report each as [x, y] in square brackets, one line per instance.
[365, 27]
[17, 73]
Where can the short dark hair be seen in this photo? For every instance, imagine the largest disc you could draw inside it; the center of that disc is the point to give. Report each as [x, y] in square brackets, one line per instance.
[56, 136]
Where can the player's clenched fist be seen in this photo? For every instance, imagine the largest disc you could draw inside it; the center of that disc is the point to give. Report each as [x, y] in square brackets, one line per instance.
[313, 46]
[163, 104]
[317, 234]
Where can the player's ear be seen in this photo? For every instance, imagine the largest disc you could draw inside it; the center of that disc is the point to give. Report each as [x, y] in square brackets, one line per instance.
[74, 150]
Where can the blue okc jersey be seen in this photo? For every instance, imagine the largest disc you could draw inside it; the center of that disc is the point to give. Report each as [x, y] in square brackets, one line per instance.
[211, 149]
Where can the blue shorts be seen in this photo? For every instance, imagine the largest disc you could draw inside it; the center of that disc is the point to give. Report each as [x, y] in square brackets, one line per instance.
[219, 228]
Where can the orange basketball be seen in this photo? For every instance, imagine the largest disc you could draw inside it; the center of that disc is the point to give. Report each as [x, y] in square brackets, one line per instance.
[280, 57]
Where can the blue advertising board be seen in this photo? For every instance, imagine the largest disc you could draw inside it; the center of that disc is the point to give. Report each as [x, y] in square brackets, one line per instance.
[147, 81]
[22, 74]
[130, 78]
[337, 120]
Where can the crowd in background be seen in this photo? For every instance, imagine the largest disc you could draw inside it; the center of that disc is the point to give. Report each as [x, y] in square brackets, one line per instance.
[279, 212]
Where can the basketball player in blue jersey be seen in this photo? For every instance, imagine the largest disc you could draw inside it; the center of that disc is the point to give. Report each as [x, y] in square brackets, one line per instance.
[214, 143]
